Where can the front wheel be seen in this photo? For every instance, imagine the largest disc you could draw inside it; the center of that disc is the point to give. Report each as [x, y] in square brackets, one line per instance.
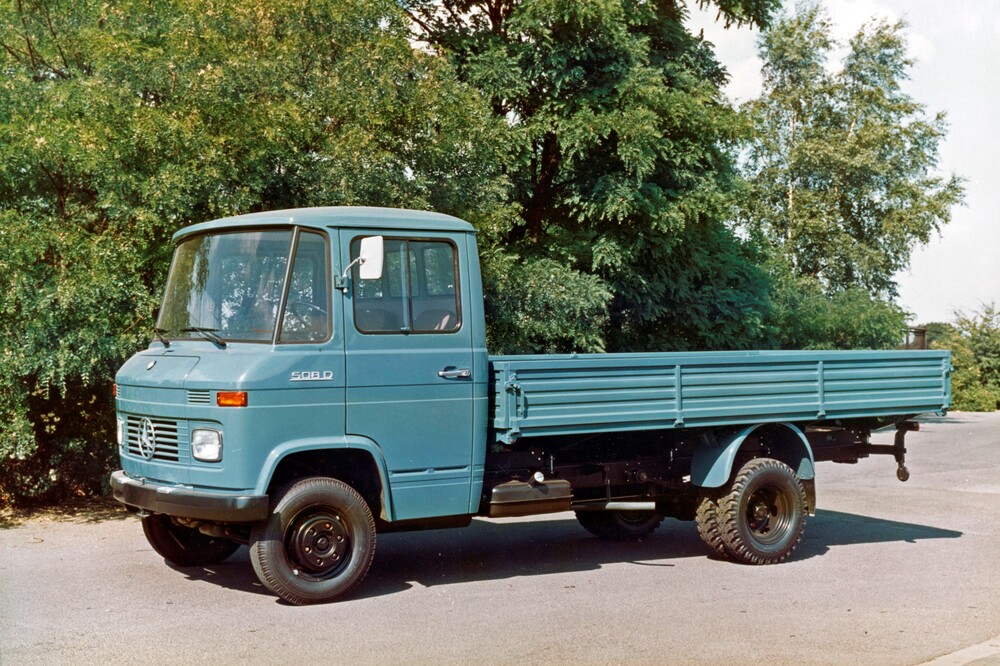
[185, 546]
[762, 517]
[317, 544]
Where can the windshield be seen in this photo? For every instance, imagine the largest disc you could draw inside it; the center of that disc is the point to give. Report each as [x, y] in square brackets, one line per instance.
[232, 285]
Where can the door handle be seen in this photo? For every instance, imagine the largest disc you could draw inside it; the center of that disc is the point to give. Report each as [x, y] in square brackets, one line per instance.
[455, 373]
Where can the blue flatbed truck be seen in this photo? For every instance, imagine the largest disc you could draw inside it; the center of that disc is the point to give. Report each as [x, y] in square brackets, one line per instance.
[318, 376]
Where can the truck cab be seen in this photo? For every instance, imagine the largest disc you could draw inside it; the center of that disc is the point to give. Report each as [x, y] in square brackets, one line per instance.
[272, 357]
[259, 317]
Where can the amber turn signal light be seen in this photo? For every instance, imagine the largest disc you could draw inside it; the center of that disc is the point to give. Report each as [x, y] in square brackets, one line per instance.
[231, 398]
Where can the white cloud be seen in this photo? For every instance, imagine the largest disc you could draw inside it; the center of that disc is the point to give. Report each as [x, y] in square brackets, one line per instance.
[736, 50]
[921, 48]
[849, 15]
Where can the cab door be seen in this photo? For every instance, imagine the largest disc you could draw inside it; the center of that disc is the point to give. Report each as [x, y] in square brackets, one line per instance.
[409, 369]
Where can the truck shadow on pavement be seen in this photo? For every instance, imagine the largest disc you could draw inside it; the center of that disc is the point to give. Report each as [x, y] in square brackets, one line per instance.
[236, 573]
[494, 550]
[834, 528]
[489, 550]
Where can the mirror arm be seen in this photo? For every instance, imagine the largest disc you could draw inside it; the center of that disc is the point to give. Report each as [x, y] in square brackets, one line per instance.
[340, 282]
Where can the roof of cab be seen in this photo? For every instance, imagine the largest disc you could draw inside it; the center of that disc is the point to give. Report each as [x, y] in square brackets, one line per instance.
[336, 217]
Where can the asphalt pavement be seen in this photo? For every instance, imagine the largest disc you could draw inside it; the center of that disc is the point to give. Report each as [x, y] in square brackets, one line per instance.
[887, 573]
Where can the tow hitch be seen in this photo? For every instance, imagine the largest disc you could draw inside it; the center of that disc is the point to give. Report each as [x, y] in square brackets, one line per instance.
[898, 448]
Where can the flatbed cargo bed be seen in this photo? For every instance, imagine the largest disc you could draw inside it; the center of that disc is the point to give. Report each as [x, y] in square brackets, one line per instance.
[550, 395]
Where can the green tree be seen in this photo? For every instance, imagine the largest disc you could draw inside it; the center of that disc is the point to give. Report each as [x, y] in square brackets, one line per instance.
[974, 341]
[842, 164]
[982, 328]
[618, 139]
[968, 394]
[804, 316]
[121, 122]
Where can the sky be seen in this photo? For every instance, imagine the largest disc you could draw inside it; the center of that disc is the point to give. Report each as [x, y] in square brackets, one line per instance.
[957, 50]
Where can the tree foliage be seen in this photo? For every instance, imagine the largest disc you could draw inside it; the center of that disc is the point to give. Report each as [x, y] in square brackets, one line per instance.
[842, 164]
[541, 306]
[121, 122]
[804, 316]
[617, 134]
[588, 141]
[974, 341]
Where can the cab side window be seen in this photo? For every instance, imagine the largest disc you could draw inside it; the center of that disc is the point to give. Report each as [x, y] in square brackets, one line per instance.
[417, 293]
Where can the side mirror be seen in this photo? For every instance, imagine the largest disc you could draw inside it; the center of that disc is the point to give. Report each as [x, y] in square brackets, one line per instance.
[372, 254]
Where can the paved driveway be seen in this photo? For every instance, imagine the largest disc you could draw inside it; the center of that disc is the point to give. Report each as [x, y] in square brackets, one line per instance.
[888, 573]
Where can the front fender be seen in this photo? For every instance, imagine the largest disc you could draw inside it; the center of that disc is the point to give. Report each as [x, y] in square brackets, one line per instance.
[318, 444]
[712, 461]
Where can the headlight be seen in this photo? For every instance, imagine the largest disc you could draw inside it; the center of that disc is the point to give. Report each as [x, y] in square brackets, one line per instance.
[121, 432]
[206, 445]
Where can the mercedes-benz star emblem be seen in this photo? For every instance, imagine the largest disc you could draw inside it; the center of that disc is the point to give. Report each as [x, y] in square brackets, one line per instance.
[147, 439]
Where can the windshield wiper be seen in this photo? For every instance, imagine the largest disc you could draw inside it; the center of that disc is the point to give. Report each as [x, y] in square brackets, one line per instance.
[208, 334]
[159, 333]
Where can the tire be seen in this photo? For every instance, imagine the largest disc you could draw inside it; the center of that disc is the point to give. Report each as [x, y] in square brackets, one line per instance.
[317, 544]
[707, 520]
[619, 525]
[184, 546]
[764, 513]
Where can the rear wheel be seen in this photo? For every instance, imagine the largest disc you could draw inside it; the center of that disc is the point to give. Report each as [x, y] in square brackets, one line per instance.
[619, 525]
[185, 546]
[764, 513]
[317, 544]
[707, 520]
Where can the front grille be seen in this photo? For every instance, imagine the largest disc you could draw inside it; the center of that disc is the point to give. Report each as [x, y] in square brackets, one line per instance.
[155, 439]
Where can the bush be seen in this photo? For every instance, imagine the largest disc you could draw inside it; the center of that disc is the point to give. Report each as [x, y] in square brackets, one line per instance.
[804, 316]
[974, 341]
[123, 122]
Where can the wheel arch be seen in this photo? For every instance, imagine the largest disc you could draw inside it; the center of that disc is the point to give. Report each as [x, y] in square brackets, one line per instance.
[712, 464]
[356, 461]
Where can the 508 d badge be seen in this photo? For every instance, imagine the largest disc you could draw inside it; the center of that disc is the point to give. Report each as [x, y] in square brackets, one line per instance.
[312, 376]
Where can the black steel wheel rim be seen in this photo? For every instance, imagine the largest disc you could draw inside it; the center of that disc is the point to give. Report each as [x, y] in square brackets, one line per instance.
[769, 514]
[319, 543]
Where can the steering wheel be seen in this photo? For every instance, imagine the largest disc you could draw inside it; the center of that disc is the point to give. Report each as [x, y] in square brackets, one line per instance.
[304, 321]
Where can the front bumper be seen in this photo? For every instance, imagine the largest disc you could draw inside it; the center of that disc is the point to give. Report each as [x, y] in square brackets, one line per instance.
[188, 503]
